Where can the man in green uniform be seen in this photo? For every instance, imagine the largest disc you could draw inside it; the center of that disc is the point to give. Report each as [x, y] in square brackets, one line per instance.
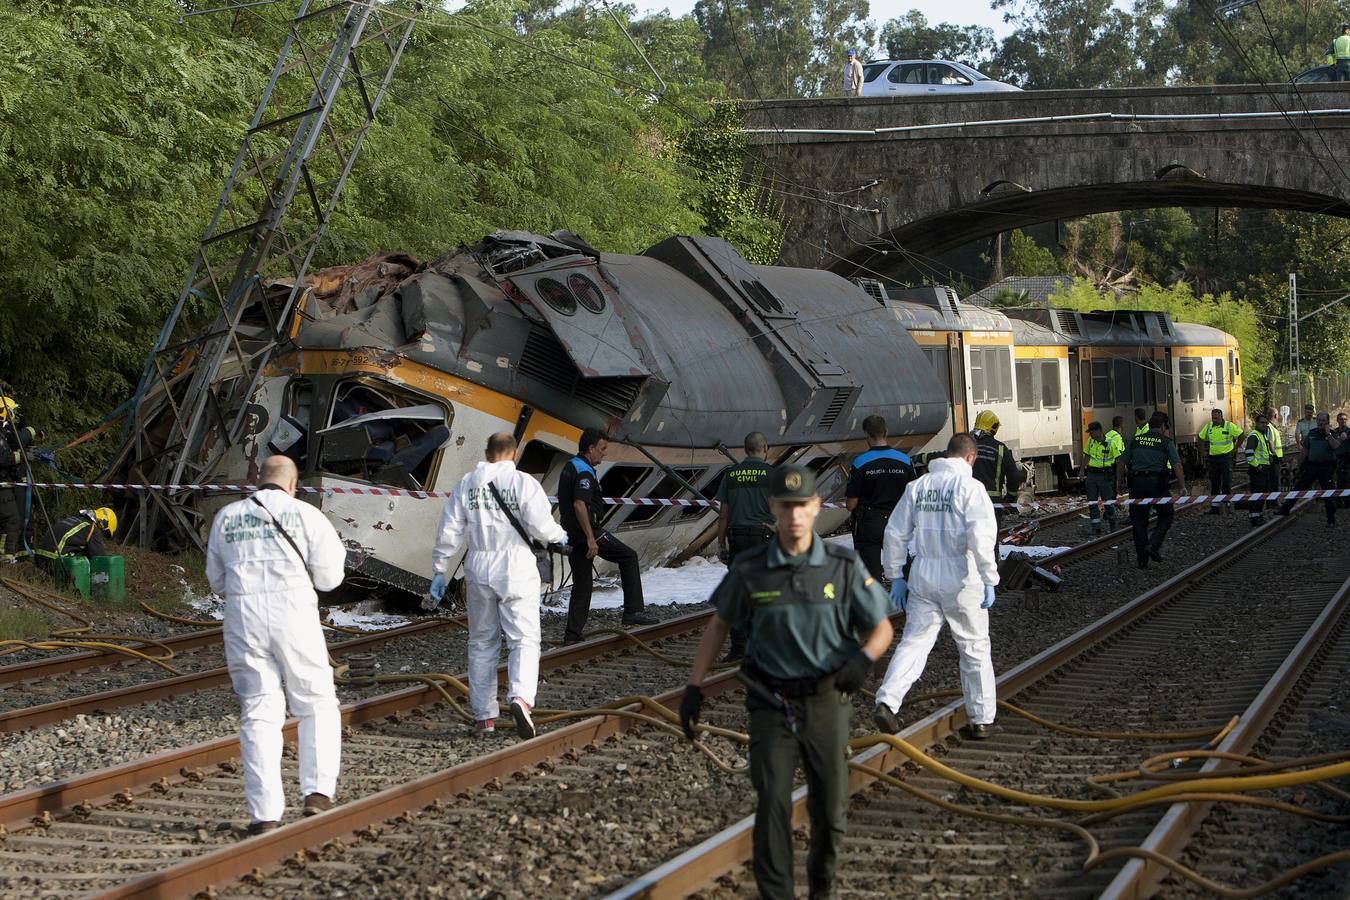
[743, 520]
[1263, 472]
[1146, 462]
[1217, 441]
[817, 623]
[1342, 433]
[1319, 465]
[1100, 481]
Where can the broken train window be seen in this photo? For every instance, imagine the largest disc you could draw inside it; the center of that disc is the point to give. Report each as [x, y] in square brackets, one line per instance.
[384, 434]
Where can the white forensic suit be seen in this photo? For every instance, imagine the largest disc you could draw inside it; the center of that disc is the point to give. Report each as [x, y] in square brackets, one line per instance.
[501, 577]
[945, 520]
[273, 638]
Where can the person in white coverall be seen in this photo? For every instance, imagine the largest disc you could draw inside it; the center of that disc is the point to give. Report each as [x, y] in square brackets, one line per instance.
[273, 637]
[946, 521]
[502, 583]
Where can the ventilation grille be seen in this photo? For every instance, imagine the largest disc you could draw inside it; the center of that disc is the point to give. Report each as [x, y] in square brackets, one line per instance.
[874, 288]
[837, 404]
[544, 360]
[1068, 322]
[953, 301]
[1163, 326]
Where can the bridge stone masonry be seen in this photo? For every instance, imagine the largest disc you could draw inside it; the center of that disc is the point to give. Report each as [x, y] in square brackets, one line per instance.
[875, 183]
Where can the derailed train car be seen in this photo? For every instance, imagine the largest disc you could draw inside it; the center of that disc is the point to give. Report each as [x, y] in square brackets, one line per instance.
[399, 370]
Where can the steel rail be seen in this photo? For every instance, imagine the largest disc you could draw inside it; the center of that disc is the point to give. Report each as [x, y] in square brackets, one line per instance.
[66, 663]
[1140, 878]
[19, 808]
[271, 849]
[161, 688]
[700, 865]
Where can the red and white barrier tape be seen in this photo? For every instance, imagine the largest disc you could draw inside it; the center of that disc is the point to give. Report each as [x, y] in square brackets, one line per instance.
[635, 501]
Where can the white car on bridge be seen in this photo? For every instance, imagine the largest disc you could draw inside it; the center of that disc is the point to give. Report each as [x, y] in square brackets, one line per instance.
[925, 77]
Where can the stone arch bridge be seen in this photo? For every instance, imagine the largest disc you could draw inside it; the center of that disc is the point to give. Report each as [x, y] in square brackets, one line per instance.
[876, 183]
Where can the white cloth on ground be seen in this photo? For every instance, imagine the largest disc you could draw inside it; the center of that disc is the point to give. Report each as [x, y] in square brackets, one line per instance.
[502, 579]
[274, 645]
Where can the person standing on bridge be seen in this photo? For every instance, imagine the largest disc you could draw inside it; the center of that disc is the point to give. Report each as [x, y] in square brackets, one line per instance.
[743, 518]
[1341, 49]
[876, 481]
[946, 521]
[853, 76]
[267, 556]
[497, 511]
[817, 623]
[1148, 461]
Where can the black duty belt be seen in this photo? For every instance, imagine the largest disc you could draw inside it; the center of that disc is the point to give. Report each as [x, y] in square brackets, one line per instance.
[883, 510]
[756, 531]
[792, 688]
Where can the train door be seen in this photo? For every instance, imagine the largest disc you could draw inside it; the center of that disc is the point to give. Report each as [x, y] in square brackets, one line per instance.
[956, 376]
[1075, 406]
[1167, 385]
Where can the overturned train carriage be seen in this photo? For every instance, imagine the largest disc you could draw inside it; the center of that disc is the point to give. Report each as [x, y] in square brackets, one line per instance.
[397, 372]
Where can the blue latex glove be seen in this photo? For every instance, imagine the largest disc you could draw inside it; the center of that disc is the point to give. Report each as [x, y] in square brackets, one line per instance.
[898, 591]
[988, 597]
[435, 593]
[564, 542]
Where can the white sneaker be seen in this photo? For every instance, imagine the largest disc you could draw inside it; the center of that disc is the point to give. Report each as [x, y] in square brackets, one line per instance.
[520, 712]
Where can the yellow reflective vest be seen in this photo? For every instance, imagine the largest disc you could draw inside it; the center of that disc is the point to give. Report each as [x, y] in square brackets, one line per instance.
[1221, 437]
[1258, 455]
[1276, 443]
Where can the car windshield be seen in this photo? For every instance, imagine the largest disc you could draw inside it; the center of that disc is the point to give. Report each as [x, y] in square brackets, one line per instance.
[973, 73]
[872, 70]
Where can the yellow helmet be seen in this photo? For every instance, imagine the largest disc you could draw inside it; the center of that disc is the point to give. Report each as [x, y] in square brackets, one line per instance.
[105, 517]
[7, 408]
[986, 421]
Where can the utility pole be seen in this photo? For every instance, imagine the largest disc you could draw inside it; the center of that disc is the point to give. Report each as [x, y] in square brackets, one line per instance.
[1293, 337]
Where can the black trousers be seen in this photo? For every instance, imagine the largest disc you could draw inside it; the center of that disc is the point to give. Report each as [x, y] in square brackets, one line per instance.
[11, 520]
[1149, 485]
[1220, 474]
[1342, 70]
[583, 579]
[1260, 480]
[740, 540]
[869, 532]
[1343, 480]
[819, 740]
[1322, 474]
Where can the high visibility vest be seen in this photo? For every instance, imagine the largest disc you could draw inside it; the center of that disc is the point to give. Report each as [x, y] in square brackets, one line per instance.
[1099, 454]
[1261, 455]
[1142, 429]
[1276, 443]
[1115, 444]
[1220, 437]
[61, 544]
[1341, 46]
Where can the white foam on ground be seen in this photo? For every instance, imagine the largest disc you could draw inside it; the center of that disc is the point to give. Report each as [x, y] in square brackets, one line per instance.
[1035, 551]
[362, 617]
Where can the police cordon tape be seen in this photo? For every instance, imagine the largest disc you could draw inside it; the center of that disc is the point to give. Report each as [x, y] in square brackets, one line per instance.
[1267, 496]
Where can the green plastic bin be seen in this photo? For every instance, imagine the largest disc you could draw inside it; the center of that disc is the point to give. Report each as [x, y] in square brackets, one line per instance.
[74, 571]
[107, 578]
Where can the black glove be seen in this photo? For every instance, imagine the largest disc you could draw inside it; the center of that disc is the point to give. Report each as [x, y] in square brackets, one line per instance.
[724, 556]
[853, 672]
[689, 709]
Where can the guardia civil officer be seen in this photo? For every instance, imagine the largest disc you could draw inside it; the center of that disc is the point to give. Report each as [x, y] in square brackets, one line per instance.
[1217, 440]
[743, 519]
[1146, 462]
[1262, 468]
[1100, 480]
[495, 513]
[876, 481]
[266, 556]
[817, 623]
[1342, 433]
[1319, 465]
[580, 507]
[946, 522]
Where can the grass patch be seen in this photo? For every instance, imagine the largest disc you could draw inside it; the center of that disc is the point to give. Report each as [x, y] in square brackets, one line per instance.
[21, 624]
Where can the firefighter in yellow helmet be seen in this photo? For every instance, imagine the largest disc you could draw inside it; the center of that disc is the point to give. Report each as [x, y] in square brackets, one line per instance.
[14, 440]
[995, 467]
[83, 534]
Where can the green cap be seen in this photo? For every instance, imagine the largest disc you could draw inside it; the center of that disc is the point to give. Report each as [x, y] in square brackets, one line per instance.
[792, 483]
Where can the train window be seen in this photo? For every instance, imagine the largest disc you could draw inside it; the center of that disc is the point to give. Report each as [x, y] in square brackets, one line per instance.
[1137, 387]
[1085, 382]
[1218, 379]
[1027, 398]
[1237, 366]
[619, 481]
[1050, 391]
[664, 489]
[1232, 371]
[977, 376]
[1003, 365]
[937, 357]
[1101, 382]
[1164, 382]
[1149, 372]
[1123, 394]
[380, 433]
[1189, 369]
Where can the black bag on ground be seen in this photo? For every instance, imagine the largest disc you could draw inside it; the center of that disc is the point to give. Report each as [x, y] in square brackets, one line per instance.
[542, 558]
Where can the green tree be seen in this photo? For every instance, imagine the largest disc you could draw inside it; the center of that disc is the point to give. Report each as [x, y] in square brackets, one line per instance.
[1026, 257]
[911, 37]
[1068, 44]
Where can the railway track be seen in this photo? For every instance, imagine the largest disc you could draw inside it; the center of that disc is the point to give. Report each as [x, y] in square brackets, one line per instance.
[165, 825]
[1162, 662]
